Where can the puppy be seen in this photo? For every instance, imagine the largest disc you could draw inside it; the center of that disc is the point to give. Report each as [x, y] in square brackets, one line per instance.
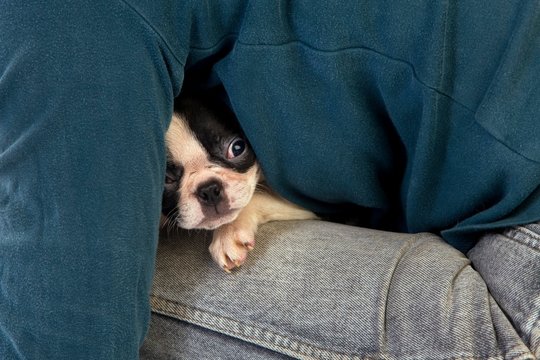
[213, 181]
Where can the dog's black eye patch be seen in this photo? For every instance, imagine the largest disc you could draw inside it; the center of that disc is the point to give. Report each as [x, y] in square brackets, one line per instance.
[215, 127]
[171, 195]
[173, 175]
[223, 152]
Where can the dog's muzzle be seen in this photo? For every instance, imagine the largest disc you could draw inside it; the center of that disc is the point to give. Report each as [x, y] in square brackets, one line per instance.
[210, 194]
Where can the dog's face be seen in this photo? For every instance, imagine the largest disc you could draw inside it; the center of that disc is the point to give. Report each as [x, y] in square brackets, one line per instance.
[212, 172]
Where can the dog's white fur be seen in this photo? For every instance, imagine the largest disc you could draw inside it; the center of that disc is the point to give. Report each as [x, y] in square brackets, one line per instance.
[186, 150]
[231, 242]
[248, 205]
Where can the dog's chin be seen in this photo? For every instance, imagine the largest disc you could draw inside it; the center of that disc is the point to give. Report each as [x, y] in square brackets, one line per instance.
[211, 222]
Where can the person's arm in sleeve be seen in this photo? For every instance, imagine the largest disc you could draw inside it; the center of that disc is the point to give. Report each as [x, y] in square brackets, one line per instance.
[86, 92]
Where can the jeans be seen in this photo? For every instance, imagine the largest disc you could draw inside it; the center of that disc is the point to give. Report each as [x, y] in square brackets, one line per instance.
[316, 290]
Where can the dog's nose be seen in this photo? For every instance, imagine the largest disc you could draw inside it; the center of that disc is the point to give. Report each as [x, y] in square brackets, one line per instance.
[210, 194]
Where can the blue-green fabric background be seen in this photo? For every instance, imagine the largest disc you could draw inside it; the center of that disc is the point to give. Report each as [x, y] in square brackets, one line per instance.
[424, 114]
[85, 97]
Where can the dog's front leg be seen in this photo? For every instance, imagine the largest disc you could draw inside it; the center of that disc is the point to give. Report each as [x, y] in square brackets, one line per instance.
[232, 242]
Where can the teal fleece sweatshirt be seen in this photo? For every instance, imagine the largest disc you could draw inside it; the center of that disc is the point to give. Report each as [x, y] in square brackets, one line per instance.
[417, 115]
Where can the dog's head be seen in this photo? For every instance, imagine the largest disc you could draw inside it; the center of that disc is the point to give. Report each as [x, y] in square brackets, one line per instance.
[212, 172]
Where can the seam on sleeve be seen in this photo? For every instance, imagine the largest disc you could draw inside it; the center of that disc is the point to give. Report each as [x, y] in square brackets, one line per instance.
[500, 139]
[155, 31]
[359, 48]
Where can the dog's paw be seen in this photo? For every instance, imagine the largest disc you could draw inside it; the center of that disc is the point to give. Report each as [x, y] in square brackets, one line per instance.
[230, 245]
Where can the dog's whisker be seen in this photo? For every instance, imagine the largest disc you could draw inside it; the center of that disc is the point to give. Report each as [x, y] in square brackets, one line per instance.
[206, 195]
[170, 222]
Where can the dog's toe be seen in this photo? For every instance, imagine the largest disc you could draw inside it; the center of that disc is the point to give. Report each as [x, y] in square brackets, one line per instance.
[248, 242]
[230, 246]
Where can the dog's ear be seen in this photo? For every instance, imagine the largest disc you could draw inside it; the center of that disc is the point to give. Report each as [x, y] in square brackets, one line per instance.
[210, 96]
[212, 107]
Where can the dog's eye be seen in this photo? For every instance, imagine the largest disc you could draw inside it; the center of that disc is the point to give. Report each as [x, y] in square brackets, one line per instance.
[169, 179]
[173, 174]
[236, 148]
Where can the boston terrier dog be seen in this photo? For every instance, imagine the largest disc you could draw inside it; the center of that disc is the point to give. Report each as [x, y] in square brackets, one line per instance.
[213, 181]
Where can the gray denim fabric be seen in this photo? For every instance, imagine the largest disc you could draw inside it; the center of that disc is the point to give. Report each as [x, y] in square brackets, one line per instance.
[510, 265]
[174, 339]
[316, 290]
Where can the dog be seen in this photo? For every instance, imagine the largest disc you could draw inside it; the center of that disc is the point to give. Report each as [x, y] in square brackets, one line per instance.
[214, 182]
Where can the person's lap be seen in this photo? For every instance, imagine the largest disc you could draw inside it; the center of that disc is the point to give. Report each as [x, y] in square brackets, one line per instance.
[322, 290]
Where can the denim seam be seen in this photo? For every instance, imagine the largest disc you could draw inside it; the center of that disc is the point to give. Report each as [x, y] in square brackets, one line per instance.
[515, 351]
[274, 341]
[262, 337]
[529, 233]
[524, 237]
[535, 338]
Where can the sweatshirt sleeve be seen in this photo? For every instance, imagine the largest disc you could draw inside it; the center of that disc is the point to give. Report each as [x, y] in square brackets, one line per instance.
[86, 92]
